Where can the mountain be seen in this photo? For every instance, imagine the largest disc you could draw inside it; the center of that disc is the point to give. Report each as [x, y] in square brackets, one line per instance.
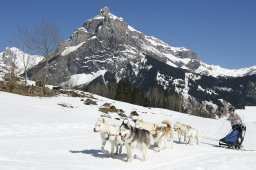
[17, 57]
[107, 56]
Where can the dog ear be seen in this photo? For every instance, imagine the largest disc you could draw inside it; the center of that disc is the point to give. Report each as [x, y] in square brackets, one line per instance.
[129, 126]
[126, 121]
[101, 118]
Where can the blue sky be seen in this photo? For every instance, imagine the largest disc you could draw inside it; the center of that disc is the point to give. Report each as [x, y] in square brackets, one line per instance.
[221, 32]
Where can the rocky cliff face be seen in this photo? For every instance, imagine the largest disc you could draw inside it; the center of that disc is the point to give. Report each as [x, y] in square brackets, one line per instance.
[106, 48]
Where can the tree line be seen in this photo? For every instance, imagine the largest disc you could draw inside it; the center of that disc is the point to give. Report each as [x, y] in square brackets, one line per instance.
[156, 97]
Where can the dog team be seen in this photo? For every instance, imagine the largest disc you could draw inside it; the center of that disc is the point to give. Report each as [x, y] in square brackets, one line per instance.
[142, 135]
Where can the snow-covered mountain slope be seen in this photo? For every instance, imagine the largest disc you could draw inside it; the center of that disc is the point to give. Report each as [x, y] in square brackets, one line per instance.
[17, 57]
[38, 133]
[215, 71]
[82, 79]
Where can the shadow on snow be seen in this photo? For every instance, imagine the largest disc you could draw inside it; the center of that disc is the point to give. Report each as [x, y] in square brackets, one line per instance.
[99, 154]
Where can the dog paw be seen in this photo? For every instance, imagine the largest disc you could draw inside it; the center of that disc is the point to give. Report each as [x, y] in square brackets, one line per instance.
[105, 151]
[112, 155]
[157, 149]
[129, 160]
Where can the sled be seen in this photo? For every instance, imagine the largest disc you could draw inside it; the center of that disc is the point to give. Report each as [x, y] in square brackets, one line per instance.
[234, 139]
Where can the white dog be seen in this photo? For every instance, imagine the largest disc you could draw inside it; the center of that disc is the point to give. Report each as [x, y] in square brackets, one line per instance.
[142, 124]
[108, 133]
[187, 132]
[182, 130]
[193, 134]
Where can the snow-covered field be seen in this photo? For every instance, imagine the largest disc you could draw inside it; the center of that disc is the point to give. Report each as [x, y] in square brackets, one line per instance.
[37, 133]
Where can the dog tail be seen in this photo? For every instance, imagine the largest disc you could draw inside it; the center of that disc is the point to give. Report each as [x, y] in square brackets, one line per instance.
[167, 122]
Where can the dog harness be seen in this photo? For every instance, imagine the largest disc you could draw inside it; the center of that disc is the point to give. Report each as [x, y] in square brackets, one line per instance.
[109, 134]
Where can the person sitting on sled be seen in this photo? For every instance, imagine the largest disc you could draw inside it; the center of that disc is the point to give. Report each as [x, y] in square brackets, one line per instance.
[235, 119]
[236, 123]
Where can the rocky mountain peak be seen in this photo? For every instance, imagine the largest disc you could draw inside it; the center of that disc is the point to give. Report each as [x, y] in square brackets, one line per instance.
[104, 11]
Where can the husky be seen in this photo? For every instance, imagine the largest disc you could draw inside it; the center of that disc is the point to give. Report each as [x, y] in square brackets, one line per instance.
[142, 124]
[182, 130]
[193, 134]
[163, 134]
[134, 138]
[108, 133]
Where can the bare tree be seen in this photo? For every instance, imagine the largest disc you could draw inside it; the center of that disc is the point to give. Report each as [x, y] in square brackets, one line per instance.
[24, 43]
[45, 40]
[11, 67]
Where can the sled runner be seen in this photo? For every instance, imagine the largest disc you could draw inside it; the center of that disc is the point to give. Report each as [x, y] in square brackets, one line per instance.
[234, 139]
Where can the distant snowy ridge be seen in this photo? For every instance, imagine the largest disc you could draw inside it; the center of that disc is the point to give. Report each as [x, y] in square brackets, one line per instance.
[18, 57]
[203, 68]
[216, 71]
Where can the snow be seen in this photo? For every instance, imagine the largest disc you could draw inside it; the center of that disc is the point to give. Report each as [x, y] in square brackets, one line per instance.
[81, 79]
[37, 133]
[157, 42]
[215, 70]
[161, 79]
[80, 29]
[224, 89]
[170, 63]
[133, 29]
[98, 17]
[110, 15]
[70, 49]
[92, 38]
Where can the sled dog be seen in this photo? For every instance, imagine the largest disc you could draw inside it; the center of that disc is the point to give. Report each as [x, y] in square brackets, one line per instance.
[108, 133]
[193, 134]
[142, 124]
[134, 138]
[163, 134]
[182, 130]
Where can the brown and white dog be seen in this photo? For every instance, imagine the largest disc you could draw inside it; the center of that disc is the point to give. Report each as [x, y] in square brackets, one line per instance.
[163, 133]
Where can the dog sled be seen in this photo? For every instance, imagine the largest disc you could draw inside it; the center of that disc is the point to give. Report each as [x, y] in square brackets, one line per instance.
[234, 139]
